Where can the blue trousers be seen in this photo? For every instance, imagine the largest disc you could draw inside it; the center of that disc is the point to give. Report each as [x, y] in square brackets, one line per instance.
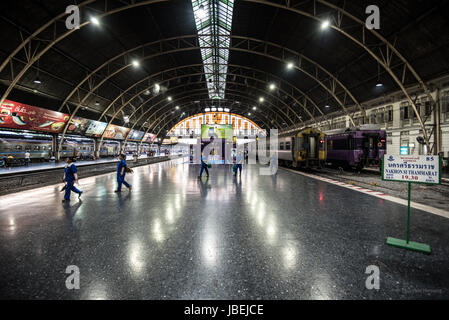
[238, 167]
[120, 181]
[69, 188]
[204, 167]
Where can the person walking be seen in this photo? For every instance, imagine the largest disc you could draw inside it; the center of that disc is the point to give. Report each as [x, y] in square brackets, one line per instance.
[238, 163]
[203, 167]
[121, 172]
[27, 158]
[70, 177]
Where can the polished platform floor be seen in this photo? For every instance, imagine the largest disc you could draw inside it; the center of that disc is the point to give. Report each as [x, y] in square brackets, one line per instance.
[177, 237]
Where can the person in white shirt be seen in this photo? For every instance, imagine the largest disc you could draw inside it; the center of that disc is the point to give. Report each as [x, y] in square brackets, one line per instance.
[27, 158]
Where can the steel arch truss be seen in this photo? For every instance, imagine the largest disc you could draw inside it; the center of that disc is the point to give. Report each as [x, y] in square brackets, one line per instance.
[387, 55]
[178, 44]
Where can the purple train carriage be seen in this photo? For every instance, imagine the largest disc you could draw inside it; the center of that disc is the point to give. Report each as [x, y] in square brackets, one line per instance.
[356, 147]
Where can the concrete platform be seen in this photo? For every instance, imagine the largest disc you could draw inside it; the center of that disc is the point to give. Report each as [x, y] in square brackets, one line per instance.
[177, 237]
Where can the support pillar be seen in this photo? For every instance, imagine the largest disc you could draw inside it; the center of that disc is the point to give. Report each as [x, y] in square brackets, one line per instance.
[97, 148]
[437, 120]
[55, 147]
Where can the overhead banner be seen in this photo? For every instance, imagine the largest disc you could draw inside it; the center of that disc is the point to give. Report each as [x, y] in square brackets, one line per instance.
[135, 135]
[116, 132]
[79, 125]
[149, 137]
[417, 169]
[95, 129]
[217, 131]
[16, 115]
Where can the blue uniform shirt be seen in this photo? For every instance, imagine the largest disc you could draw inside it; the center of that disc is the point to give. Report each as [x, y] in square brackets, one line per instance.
[239, 159]
[70, 171]
[121, 164]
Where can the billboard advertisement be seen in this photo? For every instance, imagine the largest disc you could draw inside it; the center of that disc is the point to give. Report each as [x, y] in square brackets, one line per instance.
[135, 135]
[78, 125]
[218, 131]
[95, 129]
[116, 132]
[149, 137]
[16, 115]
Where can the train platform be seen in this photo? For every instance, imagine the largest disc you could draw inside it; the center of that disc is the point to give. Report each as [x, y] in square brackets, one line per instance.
[175, 236]
[42, 166]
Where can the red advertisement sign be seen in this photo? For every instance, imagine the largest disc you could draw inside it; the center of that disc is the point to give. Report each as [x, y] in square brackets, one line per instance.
[16, 115]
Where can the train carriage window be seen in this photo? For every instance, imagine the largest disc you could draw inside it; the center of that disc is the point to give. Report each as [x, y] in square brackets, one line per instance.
[288, 145]
[64, 148]
[281, 146]
[18, 147]
[36, 148]
[340, 144]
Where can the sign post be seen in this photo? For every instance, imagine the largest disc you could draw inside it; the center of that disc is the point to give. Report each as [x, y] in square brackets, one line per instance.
[411, 169]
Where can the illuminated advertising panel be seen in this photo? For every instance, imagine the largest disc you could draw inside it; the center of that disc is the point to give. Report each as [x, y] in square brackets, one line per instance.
[116, 132]
[218, 131]
[78, 125]
[95, 129]
[149, 137]
[135, 135]
[16, 115]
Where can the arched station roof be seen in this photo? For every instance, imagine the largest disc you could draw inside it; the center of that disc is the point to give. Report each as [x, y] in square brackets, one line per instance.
[90, 71]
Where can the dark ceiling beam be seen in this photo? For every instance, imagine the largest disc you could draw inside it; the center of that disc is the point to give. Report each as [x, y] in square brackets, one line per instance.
[241, 46]
[386, 54]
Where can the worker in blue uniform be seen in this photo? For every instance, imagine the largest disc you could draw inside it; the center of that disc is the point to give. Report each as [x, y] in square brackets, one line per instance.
[70, 177]
[121, 172]
[203, 167]
[238, 163]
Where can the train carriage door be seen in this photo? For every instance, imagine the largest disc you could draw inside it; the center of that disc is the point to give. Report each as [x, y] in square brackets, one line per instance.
[293, 151]
[312, 147]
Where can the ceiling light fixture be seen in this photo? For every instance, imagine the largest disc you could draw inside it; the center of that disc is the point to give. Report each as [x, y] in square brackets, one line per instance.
[157, 88]
[95, 21]
[290, 65]
[272, 86]
[135, 63]
[325, 24]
